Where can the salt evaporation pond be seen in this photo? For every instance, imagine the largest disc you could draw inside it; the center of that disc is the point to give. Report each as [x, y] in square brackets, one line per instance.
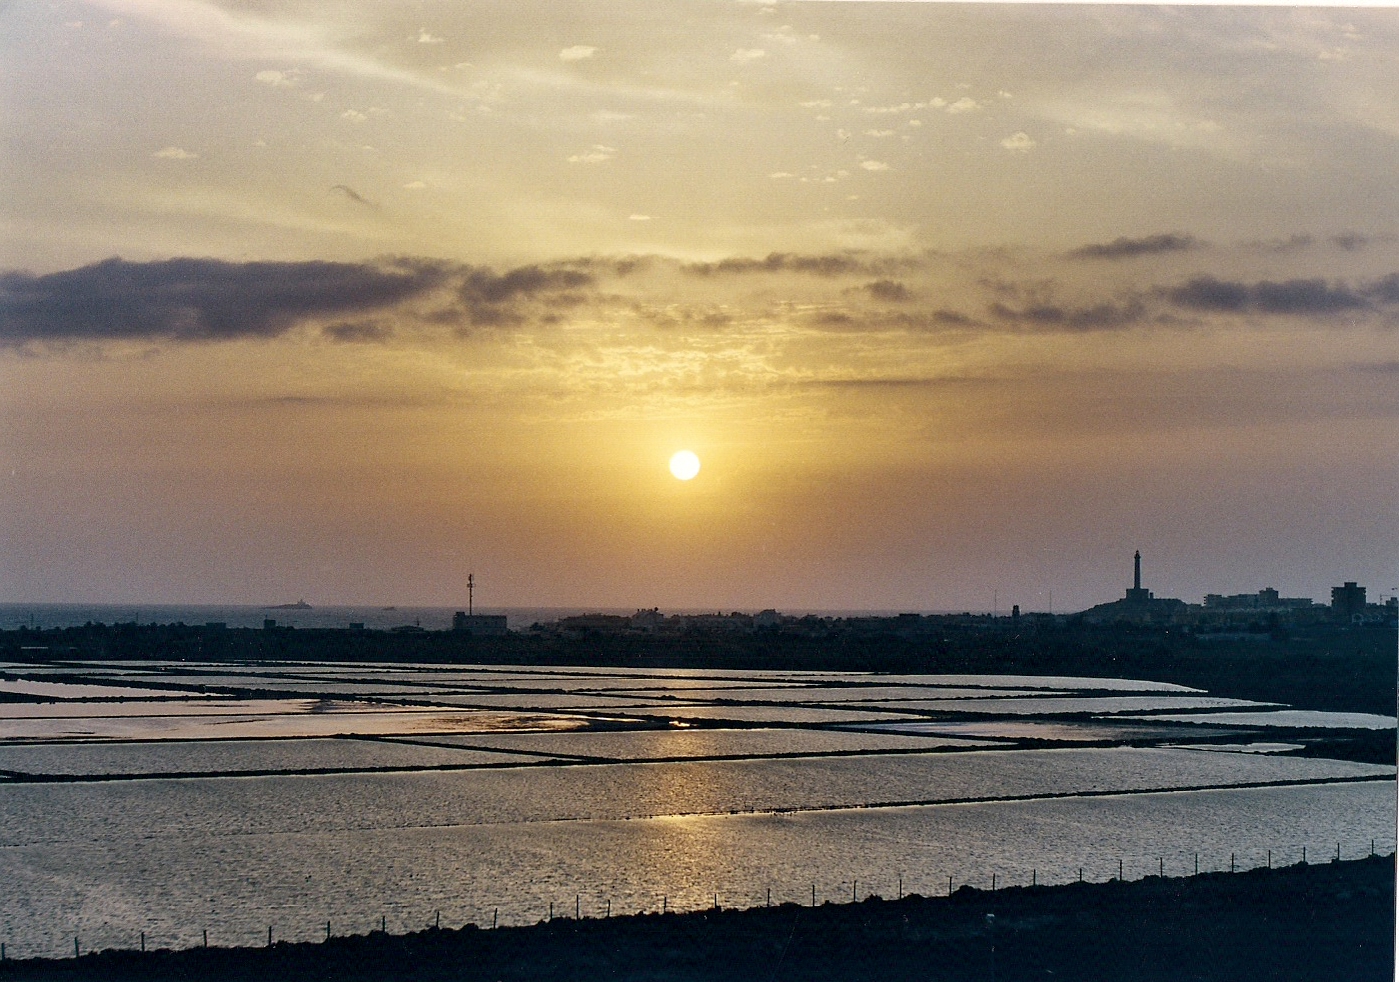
[102, 838]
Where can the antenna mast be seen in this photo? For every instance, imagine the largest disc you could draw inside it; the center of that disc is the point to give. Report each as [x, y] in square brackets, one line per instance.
[470, 592]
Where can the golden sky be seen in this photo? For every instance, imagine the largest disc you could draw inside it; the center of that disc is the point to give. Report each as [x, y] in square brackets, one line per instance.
[346, 300]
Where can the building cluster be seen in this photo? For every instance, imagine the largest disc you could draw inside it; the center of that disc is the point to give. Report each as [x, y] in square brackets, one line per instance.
[1266, 607]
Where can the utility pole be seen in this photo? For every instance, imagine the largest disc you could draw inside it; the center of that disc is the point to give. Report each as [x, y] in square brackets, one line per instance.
[470, 592]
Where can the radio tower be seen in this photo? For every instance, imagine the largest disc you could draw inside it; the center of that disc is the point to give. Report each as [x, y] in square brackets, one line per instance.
[470, 591]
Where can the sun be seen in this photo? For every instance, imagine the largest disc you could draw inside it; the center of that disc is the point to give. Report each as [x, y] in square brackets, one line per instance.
[684, 465]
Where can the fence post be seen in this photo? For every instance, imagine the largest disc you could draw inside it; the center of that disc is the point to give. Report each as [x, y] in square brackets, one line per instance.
[383, 923]
[993, 882]
[269, 935]
[813, 894]
[609, 907]
[327, 930]
[1304, 855]
[665, 902]
[1270, 859]
[206, 937]
[1231, 862]
[1161, 867]
[75, 947]
[577, 907]
[143, 941]
[495, 917]
[901, 877]
[1080, 874]
[438, 925]
[1197, 861]
[1338, 852]
[769, 900]
[949, 886]
[1119, 870]
[1034, 877]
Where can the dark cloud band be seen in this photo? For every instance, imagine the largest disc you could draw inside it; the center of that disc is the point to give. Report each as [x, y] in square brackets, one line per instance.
[199, 299]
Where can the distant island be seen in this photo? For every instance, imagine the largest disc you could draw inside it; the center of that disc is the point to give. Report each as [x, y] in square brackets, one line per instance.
[299, 605]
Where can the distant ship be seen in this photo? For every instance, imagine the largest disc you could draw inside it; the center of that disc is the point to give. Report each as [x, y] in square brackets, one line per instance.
[299, 605]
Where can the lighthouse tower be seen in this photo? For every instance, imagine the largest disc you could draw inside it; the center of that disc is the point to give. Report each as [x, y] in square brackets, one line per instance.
[1135, 593]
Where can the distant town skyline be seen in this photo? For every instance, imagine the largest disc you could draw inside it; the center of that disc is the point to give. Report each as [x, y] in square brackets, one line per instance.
[949, 302]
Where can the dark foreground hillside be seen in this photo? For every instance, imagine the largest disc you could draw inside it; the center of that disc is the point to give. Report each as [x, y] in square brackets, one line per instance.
[1332, 922]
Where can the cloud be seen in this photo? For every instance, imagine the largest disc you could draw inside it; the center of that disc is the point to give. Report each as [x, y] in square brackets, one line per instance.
[638, 218]
[1019, 142]
[425, 38]
[888, 290]
[874, 165]
[1350, 241]
[494, 300]
[577, 53]
[415, 185]
[1098, 317]
[174, 153]
[836, 264]
[353, 195]
[596, 155]
[358, 332]
[354, 115]
[1299, 296]
[199, 299]
[879, 133]
[1385, 290]
[964, 105]
[278, 79]
[1125, 248]
[744, 56]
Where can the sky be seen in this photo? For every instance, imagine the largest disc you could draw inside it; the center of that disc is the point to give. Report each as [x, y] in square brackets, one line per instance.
[958, 305]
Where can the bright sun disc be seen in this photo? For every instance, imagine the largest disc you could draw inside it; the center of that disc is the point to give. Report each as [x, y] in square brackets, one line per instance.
[684, 465]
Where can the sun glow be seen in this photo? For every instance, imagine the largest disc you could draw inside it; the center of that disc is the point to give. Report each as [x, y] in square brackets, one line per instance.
[684, 465]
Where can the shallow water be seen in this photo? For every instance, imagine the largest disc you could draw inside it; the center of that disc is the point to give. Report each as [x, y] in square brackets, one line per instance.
[672, 743]
[223, 726]
[1303, 718]
[1042, 706]
[172, 856]
[223, 756]
[53, 813]
[1068, 730]
[173, 882]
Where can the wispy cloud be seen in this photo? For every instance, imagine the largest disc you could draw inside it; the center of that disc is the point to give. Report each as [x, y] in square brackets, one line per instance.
[1020, 142]
[1128, 248]
[598, 154]
[174, 153]
[353, 195]
[577, 52]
